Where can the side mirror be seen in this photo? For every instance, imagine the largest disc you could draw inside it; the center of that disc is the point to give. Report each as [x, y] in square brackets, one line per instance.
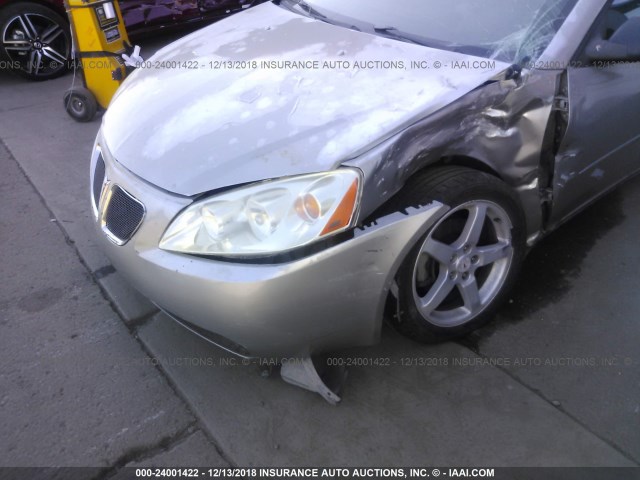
[624, 44]
[615, 52]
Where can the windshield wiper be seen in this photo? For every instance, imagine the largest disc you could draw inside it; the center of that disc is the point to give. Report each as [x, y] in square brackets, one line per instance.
[304, 6]
[313, 13]
[393, 32]
[311, 10]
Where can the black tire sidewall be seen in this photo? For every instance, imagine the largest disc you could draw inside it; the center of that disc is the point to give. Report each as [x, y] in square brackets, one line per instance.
[87, 98]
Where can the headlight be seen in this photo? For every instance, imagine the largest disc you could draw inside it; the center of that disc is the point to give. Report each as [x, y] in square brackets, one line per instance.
[268, 217]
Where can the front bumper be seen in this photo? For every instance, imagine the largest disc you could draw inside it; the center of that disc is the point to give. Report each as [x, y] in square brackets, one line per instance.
[326, 301]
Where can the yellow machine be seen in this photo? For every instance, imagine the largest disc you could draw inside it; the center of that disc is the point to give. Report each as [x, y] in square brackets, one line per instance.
[100, 41]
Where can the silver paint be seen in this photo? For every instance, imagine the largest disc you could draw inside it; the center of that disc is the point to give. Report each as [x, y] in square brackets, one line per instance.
[328, 300]
[191, 131]
[205, 128]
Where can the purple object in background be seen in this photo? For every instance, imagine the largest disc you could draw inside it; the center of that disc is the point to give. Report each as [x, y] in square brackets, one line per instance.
[36, 42]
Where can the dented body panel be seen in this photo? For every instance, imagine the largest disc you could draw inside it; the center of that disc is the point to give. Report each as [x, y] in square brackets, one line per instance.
[501, 126]
[601, 145]
[261, 122]
[331, 299]
[542, 128]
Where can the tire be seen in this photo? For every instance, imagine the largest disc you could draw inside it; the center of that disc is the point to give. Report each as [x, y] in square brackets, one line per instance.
[457, 275]
[34, 40]
[80, 104]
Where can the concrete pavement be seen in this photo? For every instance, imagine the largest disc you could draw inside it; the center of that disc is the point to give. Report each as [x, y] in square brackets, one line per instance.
[77, 388]
[137, 389]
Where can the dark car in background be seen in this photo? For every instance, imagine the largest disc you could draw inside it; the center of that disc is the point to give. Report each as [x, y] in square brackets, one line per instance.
[36, 34]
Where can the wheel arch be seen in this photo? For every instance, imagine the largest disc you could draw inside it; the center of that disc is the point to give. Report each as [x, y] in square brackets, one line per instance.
[527, 190]
[425, 161]
[467, 161]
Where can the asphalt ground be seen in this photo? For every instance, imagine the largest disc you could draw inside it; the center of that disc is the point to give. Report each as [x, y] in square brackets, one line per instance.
[92, 375]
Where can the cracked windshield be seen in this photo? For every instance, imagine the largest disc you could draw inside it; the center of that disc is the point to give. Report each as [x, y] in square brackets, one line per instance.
[520, 33]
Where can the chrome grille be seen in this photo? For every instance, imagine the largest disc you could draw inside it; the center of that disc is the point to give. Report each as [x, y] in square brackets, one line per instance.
[123, 215]
[98, 180]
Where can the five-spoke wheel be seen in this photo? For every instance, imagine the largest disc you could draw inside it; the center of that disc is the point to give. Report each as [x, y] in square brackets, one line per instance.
[463, 263]
[459, 272]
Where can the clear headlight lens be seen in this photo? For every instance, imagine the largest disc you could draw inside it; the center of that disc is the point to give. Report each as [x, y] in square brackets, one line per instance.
[268, 217]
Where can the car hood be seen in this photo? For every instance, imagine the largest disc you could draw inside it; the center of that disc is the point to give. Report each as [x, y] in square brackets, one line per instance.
[200, 116]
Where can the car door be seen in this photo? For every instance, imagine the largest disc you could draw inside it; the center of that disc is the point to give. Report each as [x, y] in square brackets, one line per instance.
[142, 15]
[221, 8]
[132, 14]
[601, 112]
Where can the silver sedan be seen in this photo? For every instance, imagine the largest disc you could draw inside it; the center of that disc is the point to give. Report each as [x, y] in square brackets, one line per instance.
[275, 182]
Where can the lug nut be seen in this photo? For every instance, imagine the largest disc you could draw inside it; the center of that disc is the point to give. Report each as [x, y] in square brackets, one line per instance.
[474, 259]
[452, 276]
[465, 276]
[467, 248]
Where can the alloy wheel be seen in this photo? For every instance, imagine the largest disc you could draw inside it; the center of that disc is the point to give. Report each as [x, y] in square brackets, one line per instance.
[463, 263]
[38, 43]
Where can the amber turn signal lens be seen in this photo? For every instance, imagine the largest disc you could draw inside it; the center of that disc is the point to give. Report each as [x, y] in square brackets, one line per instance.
[344, 213]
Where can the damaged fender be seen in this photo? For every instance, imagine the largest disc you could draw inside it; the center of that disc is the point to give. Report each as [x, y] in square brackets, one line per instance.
[498, 127]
